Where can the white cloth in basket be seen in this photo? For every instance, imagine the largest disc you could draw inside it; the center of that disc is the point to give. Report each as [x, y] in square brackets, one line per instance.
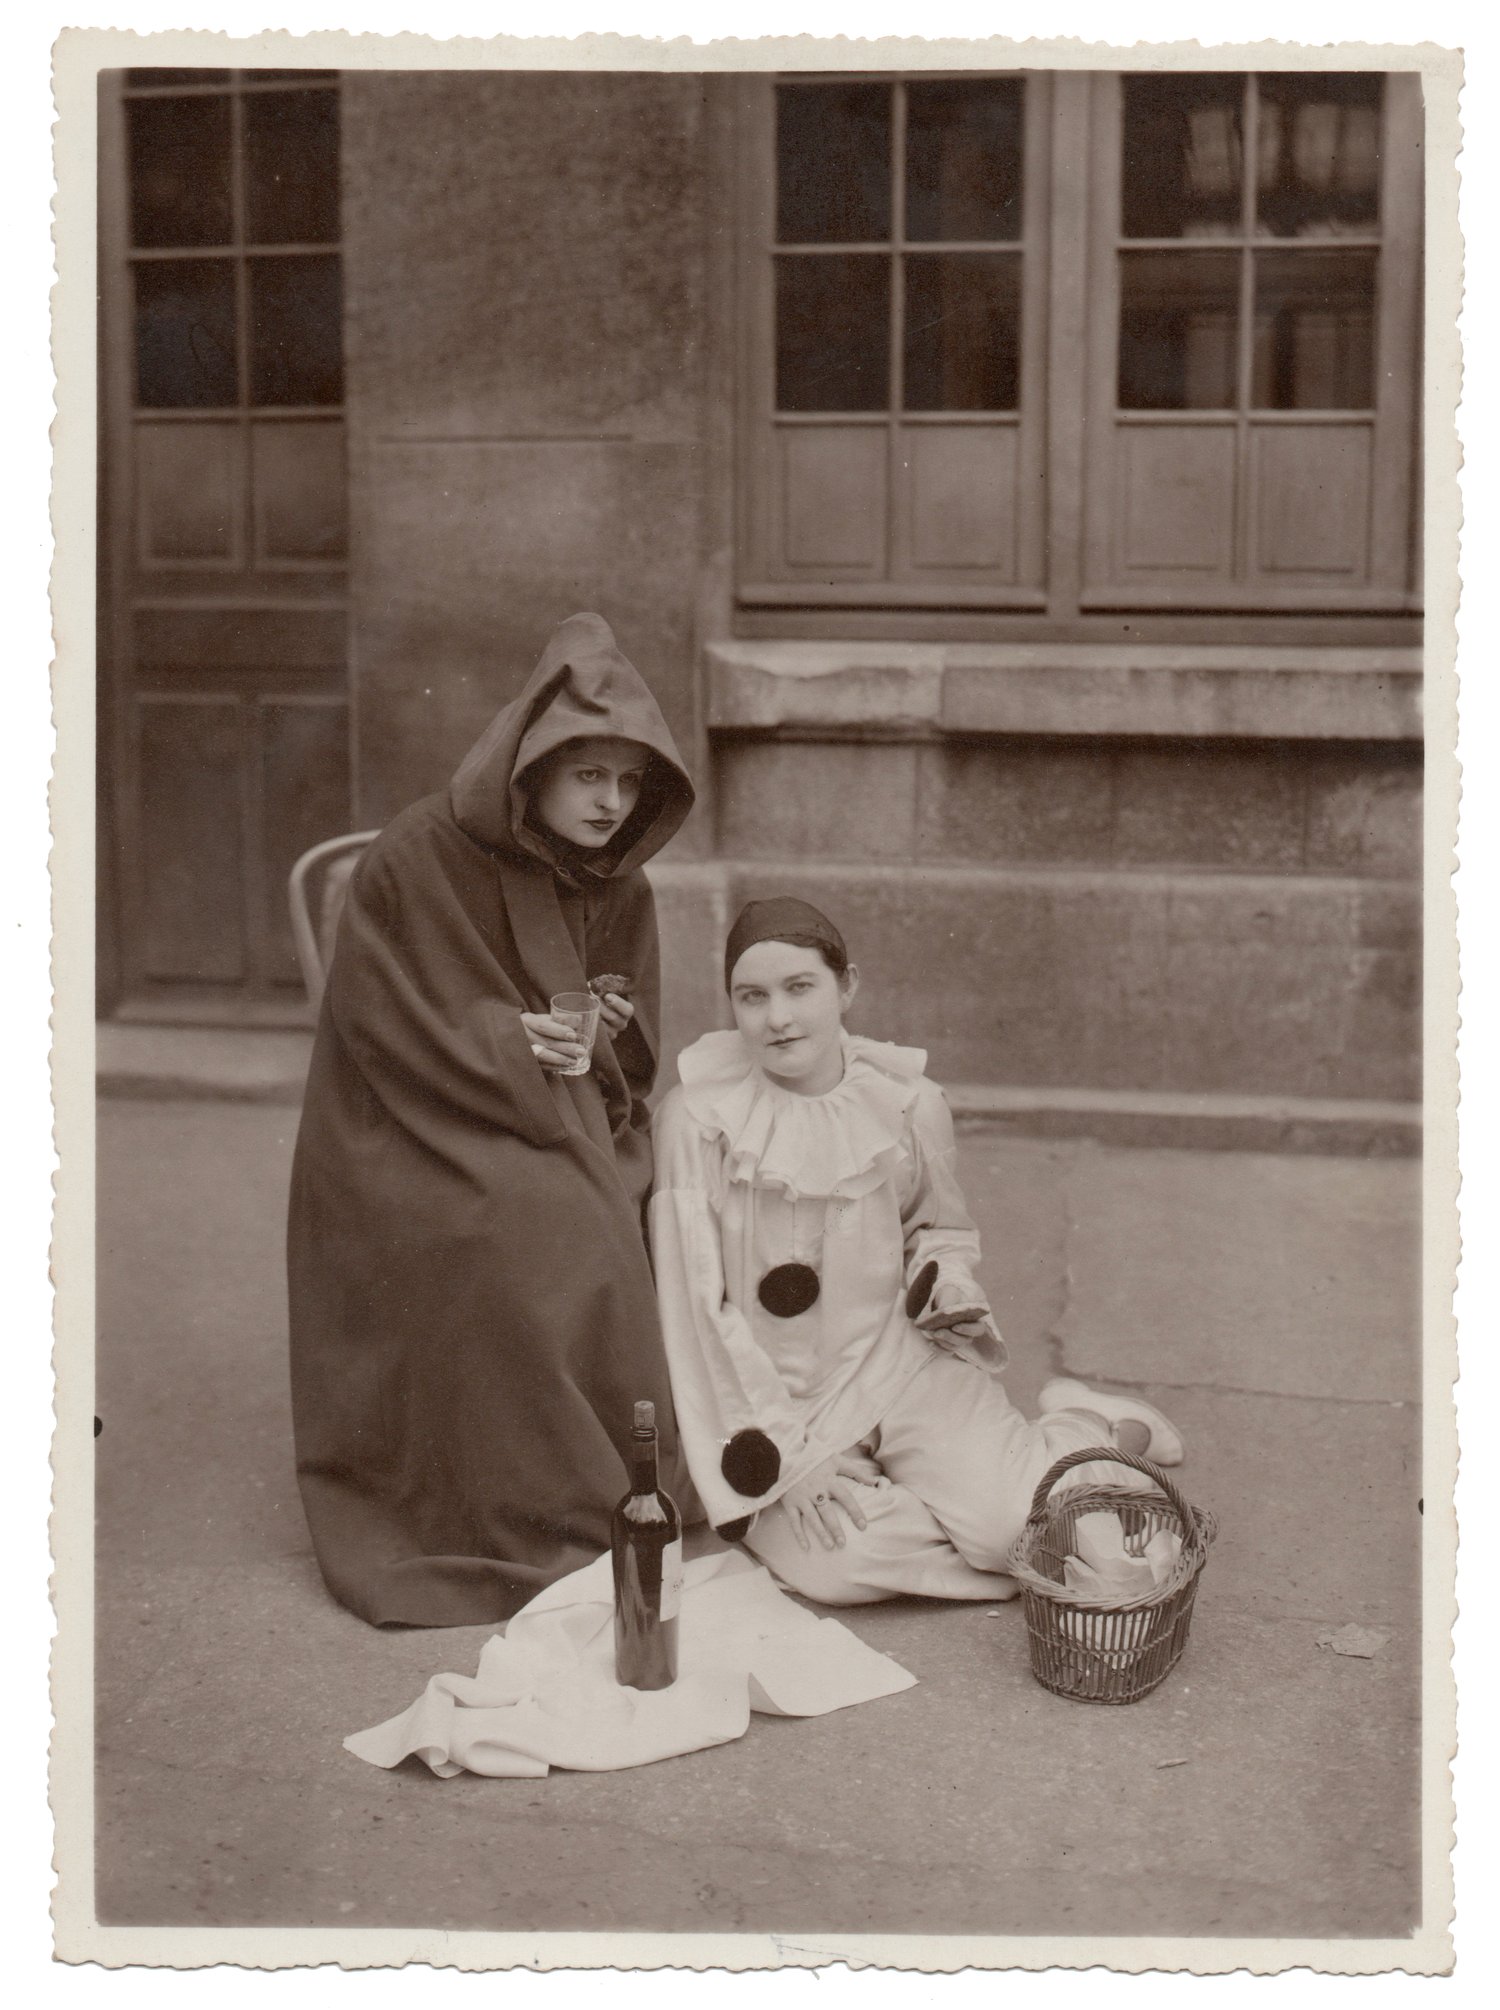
[1102, 1566]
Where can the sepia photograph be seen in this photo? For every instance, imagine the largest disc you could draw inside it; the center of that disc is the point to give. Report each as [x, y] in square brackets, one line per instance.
[764, 729]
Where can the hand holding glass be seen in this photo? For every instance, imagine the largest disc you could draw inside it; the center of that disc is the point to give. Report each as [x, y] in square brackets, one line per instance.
[579, 1012]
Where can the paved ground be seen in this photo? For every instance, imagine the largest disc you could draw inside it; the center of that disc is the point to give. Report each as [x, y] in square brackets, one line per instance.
[1272, 1300]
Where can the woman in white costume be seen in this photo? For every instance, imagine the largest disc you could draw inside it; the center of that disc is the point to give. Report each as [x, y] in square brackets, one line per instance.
[835, 1369]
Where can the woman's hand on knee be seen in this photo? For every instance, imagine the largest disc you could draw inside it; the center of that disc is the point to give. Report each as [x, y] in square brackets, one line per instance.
[812, 1505]
[554, 1044]
[858, 1464]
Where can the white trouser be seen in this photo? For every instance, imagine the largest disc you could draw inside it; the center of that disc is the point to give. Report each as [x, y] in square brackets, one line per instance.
[960, 1465]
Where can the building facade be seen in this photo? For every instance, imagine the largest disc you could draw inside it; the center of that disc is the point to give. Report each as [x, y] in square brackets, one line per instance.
[1008, 483]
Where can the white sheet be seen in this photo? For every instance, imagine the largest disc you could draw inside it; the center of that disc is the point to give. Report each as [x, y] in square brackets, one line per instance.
[545, 1694]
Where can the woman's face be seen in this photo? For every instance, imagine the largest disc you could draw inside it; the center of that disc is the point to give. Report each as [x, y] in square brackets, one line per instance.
[789, 1007]
[589, 788]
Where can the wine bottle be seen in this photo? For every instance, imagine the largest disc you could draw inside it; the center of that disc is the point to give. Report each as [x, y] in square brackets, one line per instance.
[646, 1548]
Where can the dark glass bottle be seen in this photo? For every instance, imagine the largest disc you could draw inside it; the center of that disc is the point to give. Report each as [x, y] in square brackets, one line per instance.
[646, 1547]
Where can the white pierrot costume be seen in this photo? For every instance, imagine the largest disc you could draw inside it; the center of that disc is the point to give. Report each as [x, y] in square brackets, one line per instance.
[860, 1184]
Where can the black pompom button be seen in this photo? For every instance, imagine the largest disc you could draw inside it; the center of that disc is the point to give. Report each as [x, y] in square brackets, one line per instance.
[750, 1463]
[921, 1289]
[734, 1531]
[789, 1289]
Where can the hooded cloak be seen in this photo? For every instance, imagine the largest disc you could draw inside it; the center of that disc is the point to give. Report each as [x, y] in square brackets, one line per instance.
[472, 1315]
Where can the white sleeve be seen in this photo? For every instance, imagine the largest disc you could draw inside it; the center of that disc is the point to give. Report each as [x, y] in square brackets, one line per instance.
[937, 1224]
[733, 1409]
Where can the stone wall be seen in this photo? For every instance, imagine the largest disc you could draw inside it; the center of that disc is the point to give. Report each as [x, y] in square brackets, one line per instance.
[1095, 870]
[1230, 914]
[1270, 806]
[526, 431]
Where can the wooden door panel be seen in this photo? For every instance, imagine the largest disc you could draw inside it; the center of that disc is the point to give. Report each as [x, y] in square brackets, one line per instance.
[189, 491]
[1312, 501]
[300, 491]
[960, 499]
[833, 498]
[1175, 500]
[225, 641]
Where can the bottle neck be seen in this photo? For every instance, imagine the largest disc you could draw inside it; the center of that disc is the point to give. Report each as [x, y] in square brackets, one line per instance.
[643, 1464]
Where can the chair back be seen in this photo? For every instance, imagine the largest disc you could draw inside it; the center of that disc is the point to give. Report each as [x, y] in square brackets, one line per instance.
[315, 896]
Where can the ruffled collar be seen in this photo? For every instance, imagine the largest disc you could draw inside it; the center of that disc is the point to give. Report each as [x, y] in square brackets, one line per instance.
[842, 1144]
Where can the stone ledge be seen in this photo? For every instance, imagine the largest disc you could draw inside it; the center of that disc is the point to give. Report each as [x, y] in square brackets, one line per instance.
[1347, 1129]
[200, 1063]
[175, 1064]
[927, 688]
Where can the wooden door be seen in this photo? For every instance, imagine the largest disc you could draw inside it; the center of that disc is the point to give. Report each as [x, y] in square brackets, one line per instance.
[224, 732]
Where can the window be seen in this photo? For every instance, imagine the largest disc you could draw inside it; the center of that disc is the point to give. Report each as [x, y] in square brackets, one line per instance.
[1253, 366]
[237, 320]
[1071, 344]
[899, 390]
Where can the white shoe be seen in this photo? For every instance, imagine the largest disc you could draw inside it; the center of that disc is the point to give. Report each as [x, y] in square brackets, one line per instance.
[1062, 1393]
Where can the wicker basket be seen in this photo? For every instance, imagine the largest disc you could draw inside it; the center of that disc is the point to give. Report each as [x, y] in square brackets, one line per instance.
[1107, 1652]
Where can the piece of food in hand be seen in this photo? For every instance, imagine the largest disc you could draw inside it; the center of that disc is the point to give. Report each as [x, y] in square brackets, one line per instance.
[921, 1289]
[951, 1315]
[611, 981]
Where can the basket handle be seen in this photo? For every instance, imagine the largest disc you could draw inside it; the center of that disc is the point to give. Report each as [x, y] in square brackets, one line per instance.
[1112, 1453]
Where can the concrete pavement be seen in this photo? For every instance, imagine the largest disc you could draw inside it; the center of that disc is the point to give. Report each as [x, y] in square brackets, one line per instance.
[1269, 1788]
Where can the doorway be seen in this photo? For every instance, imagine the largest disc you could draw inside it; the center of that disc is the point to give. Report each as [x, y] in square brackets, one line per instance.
[224, 711]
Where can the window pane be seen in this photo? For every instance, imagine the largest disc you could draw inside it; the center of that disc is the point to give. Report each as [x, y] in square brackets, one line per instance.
[1314, 331]
[184, 332]
[1319, 154]
[296, 331]
[963, 332]
[1178, 323]
[1182, 155]
[963, 160]
[833, 163]
[291, 167]
[179, 171]
[832, 334]
[146, 78]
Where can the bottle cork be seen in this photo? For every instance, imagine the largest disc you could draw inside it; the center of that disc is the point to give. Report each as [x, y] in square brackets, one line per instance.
[645, 1417]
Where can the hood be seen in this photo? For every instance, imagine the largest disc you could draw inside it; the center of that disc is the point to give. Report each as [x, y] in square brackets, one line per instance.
[583, 688]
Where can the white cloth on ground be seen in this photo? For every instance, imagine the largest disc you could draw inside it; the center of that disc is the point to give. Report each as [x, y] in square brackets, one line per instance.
[546, 1695]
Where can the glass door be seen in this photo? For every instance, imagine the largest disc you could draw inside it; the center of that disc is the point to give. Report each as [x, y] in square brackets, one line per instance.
[223, 527]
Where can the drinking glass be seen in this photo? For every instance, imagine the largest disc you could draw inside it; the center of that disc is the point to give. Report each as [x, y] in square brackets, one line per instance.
[578, 1010]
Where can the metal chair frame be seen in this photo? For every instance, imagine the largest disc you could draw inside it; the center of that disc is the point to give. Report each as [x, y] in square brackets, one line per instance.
[304, 932]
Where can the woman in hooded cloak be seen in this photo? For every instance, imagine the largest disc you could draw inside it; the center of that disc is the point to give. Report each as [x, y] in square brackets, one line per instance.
[471, 1307]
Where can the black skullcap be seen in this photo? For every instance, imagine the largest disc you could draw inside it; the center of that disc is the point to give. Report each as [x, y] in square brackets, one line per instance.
[780, 920]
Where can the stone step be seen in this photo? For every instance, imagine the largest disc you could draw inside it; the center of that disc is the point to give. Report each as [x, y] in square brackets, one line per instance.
[241, 1064]
[178, 1063]
[1350, 1129]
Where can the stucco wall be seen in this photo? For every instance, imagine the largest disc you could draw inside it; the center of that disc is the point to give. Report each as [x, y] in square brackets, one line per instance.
[525, 261]
[1178, 869]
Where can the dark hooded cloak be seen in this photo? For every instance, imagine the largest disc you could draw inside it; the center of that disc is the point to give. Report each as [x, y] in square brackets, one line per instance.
[472, 1313]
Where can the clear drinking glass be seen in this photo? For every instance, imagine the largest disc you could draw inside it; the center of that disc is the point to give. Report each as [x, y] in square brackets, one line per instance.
[578, 1010]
